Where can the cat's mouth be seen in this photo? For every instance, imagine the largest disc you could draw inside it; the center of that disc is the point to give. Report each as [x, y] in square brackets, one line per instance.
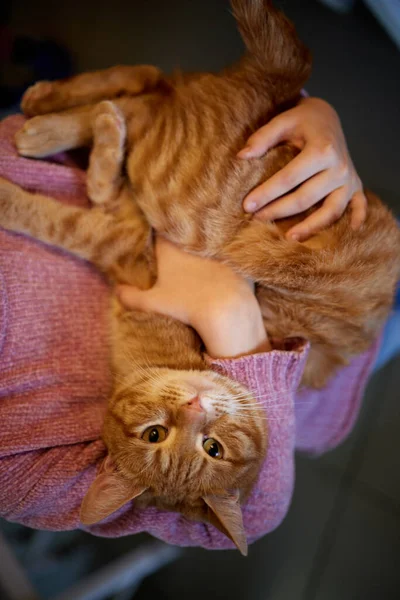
[199, 383]
[201, 394]
[198, 402]
[199, 397]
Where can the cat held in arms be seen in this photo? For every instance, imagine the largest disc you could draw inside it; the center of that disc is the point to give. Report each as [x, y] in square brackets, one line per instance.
[164, 160]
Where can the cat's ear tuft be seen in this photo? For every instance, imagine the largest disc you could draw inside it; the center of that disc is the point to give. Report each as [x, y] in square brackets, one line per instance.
[225, 513]
[108, 493]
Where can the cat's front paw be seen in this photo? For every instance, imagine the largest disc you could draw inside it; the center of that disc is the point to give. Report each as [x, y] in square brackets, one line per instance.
[104, 177]
[109, 125]
[38, 137]
[9, 193]
[38, 99]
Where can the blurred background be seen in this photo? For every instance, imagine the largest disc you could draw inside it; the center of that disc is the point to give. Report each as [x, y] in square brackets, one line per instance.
[341, 538]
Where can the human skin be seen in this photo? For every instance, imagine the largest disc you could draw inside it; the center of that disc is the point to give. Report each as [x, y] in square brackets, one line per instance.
[323, 170]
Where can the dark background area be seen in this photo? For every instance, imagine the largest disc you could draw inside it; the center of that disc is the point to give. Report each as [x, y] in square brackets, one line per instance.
[341, 539]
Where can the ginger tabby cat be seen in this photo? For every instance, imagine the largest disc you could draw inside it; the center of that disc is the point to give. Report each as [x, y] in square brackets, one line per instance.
[164, 158]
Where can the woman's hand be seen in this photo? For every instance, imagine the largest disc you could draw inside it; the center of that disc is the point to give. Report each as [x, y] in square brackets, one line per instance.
[218, 303]
[322, 170]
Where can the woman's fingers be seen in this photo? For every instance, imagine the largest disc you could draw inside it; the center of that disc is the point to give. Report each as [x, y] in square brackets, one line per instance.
[314, 126]
[135, 299]
[358, 205]
[160, 300]
[331, 210]
[312, 191]
[300, 169]
[268, 136]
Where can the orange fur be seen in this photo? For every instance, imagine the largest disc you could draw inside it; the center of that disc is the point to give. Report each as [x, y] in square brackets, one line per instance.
[183, 180]
[183, 133]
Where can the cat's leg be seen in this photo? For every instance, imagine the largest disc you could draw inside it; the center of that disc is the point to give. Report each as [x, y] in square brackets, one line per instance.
[48, 134]
[107, 186]
[117, 247]
[104, 175]
[45, 135]
[50, 96]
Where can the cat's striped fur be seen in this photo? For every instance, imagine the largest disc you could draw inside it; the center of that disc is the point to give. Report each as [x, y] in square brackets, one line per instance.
[180, 135]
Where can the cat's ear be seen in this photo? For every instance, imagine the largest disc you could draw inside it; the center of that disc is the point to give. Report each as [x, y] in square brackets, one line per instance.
[108, 493]
[225, 514]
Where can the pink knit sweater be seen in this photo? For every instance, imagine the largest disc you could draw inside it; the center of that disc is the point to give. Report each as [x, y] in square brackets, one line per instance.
[54, 377]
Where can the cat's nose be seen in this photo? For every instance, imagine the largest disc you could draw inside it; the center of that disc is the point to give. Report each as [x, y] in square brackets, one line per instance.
[192, 414]
[194, 404]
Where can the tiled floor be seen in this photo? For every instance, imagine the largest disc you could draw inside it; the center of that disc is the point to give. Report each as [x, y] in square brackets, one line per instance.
[341, 539]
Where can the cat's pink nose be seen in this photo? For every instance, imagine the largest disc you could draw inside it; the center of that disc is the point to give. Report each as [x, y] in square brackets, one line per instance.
[194, 404]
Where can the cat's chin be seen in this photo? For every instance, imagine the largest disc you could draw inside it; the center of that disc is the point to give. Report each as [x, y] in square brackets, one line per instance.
[202, 381]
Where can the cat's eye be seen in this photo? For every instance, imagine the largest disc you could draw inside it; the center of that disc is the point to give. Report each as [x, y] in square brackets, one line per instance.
[213, 448]
[155, 434]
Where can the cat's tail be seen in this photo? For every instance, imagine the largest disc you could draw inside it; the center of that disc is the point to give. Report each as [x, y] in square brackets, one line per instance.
[273, 46]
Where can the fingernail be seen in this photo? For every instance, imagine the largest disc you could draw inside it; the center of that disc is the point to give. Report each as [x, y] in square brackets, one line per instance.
[120, 291]
[243, 153]
[294, 236]
[250, 206]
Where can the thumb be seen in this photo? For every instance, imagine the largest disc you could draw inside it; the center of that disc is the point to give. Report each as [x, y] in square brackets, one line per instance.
[153, 300]
[268, 136]
[133, 298]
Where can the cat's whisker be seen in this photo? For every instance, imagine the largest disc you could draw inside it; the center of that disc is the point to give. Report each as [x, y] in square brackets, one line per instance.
[271, 411]
[277, 396]
[272, 405]
[264, 399]
[150, 373]
[251, 419]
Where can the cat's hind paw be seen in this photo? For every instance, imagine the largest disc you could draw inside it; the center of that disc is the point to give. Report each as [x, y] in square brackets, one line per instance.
[38, 98]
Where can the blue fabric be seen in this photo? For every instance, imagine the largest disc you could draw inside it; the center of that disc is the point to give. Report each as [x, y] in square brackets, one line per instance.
[390, 345]
[397, 299]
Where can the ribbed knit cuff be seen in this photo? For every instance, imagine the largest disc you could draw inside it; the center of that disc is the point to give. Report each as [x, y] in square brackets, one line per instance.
[277, 370]
[3, 312]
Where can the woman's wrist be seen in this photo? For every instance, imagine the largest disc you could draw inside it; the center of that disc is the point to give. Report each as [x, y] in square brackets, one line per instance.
[207, 295]
[233, 327]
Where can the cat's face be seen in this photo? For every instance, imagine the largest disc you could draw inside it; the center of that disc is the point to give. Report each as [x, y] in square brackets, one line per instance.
[187, 441]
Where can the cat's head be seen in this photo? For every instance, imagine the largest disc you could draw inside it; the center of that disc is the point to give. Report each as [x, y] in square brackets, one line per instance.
[186, 441]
